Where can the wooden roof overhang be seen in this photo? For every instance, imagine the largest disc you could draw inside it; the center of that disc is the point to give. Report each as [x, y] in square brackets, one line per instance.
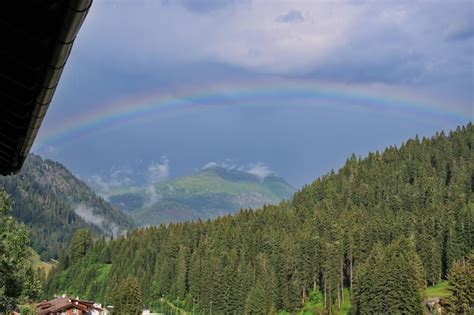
[36, 39]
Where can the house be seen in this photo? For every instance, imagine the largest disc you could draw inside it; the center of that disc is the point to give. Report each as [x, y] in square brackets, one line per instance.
[98, 310]
[68, 306]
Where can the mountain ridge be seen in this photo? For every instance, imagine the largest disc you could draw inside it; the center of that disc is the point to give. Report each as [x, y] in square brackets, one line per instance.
[382, 227]
[53, 203]
[210, 192]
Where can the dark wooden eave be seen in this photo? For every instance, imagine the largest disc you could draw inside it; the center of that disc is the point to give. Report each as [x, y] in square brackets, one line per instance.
[36, 39]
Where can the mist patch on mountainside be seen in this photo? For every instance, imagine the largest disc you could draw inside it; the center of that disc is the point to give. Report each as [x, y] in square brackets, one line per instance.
[214, 190]
[88, 215]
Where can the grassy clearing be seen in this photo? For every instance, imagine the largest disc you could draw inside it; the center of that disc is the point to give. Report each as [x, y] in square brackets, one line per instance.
[38, 264]
[103, 272]
[115, 191]
[316, 304]
[174, 308]
[208, 183]
[438, 290]
[346, 306]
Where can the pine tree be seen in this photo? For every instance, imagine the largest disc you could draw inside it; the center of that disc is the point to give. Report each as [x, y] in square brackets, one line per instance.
[390, 281]
[461, 285]
[257, 301]
[126, 298]
[356, 226]
[80, 244]
[180, 285]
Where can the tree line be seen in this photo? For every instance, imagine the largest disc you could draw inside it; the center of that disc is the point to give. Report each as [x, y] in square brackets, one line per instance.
[44, 196]
[384, 227]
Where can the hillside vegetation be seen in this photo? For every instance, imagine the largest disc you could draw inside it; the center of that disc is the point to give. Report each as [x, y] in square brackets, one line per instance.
[53, 203]
[211, 192]
[380, 230]
[37, 264]
[19, 279]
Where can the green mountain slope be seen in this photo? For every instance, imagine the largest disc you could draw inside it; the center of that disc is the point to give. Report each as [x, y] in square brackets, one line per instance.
[209, 193]
[384, 227]
[53, 203]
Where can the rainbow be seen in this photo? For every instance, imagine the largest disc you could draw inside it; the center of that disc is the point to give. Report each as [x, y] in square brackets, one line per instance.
[129, 110]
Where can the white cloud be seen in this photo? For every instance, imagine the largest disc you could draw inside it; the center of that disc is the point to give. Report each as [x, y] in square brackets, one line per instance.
[101, 186]
[394, 42]
[116, 178]
[87, 214]
[252, 36]
[210, 165]
[159, 171]
[259, 169]
[152, 195]
[245, 34]
[120, 177]
[227, 164]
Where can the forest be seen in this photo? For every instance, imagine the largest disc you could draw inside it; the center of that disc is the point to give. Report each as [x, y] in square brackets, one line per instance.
[382, 228]
[45, 196]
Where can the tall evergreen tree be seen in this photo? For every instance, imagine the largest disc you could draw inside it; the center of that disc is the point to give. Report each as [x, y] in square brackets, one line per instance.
[80, 244]
[390, 281]
[386, 225]
[461, 285]
[127, 298]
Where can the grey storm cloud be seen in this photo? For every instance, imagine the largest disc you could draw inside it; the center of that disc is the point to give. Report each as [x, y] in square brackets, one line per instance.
[203, 6]
[376, 41]
[464, 32]
[130, 48]
[292, 16]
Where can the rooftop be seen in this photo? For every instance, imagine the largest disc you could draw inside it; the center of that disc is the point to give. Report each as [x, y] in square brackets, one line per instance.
[37, 39]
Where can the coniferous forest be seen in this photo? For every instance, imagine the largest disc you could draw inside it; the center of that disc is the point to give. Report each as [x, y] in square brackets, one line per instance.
[377, 232]
[46, 197]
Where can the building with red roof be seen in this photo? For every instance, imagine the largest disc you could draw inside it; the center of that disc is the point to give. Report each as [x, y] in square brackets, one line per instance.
[68, 306]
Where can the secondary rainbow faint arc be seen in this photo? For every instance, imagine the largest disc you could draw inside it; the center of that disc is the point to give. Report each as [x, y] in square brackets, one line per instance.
[127, 109]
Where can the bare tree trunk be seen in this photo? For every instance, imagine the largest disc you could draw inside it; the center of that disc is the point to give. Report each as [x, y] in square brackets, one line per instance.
[330, 300]
[341, 285]
[304, 295]
[338, 296]
[325, 295]
[350, 272]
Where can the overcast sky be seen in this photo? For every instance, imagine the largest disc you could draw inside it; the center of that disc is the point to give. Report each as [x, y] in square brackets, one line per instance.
[414, 52]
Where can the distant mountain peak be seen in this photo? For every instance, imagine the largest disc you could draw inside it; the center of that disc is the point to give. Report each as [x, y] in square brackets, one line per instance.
[252, 172]
[214, 190]
[231, 174]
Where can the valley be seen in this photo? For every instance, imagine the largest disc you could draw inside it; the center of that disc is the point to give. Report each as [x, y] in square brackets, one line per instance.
[53, 204]
[206, 194]
[228, 157]
[396, 222]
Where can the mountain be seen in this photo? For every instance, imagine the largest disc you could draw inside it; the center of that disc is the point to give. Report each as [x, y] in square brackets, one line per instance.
[372, 235]
[211, 192]
[53, 203]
